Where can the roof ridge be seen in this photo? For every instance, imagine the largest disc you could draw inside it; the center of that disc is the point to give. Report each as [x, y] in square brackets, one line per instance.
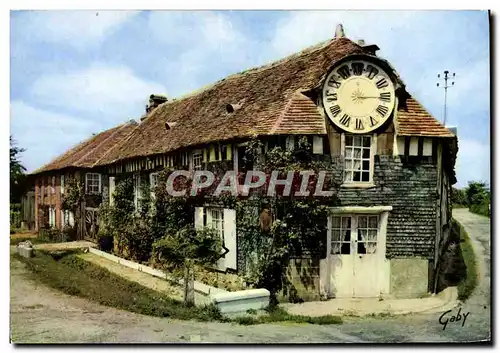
[117, 128]
[272, 64]
[116, 144]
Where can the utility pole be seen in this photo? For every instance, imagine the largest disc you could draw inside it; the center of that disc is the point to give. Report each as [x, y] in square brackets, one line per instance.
[446, 86]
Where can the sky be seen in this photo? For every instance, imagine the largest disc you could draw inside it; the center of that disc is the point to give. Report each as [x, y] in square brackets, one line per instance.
[75, 73]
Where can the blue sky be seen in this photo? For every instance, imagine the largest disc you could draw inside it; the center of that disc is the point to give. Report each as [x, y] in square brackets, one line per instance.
[74, 73]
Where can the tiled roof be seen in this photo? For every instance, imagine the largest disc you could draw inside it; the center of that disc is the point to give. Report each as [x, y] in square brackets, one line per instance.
[265, 92]
[88, 152]
[414, 120]
[300, 116]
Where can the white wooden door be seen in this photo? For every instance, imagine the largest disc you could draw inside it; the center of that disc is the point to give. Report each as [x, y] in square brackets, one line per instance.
[366, 261]
[354, 260]
[341, 262]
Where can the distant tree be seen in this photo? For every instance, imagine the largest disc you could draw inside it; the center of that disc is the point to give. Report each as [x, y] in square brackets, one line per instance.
[458, 197]
[477, 193]
[17, 176]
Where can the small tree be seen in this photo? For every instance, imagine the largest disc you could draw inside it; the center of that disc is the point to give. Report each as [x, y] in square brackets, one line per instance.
[178, 253]
[17, 176]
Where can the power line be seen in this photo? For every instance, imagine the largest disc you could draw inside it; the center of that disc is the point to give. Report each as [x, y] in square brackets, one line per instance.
[446, 86]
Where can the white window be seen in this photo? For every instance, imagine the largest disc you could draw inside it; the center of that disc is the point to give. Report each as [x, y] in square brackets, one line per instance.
[217, 220]
[153, 180]
[354, 234]
[52, 216]
[53, 185]
[62, 184]
[358, 158]
[224, 221]
[153, 183]
[197, 157]
[93, 183]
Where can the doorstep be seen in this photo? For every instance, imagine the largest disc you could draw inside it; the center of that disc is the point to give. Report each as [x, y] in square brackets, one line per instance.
[445, 300]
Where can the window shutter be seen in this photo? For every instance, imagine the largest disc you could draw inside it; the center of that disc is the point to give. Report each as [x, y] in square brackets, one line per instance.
[198, 217]
[62, 184]
[230, 238]
[229, 151]
[111, 190]
[71, 219]
[317, 144]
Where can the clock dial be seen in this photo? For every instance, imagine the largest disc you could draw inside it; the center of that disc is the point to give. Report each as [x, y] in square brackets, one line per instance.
[358, 96]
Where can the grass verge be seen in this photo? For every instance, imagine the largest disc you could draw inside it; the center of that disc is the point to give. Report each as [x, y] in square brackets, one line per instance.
[33, 240]
[67, 272]
[278, 314]
[469, 283]
[75, 276]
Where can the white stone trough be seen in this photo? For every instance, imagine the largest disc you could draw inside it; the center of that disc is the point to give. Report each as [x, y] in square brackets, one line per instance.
[241, 301]
[25, 249]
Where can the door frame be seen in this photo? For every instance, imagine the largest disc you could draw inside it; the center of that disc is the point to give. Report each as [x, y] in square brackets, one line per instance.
[384, 272]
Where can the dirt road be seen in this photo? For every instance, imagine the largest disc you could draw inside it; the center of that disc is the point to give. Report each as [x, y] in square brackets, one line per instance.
[40, 314]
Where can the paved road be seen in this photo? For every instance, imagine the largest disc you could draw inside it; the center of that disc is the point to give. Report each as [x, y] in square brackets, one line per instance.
[40, 314]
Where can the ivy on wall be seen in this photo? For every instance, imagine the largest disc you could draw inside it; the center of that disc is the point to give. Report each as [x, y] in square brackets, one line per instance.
[270, 230]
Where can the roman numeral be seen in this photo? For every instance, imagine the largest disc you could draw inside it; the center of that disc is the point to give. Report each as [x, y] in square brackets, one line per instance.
[382, 110]
[330, 97]
[386, 97]
[372, 71]
[373, 121]
[357, 68]
[382, 83]
[335, 110]
[343, 71]
[333, 83]
[345, 120]
[359, 124]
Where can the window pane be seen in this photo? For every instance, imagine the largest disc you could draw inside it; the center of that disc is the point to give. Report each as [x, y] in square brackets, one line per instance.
[357, 141]
[346, 234]
[373, 222]
[335, 235]
[348, 140]
[346, 248]
[348, 152]
[348, 176]
[336, 222]
[356, 165]
[366, 153]
[366, 176]
[357, 153]
[348, 164]
[372, 235]
[371, 248]
[346, 222]
[361, 248]
[336, 248]
[366, 165]
[362, 222]
[366, 141]
[356, 176]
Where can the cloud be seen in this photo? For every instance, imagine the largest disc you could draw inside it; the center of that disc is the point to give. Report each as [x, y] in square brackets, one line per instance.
[101, 91]
[473, 162]
[78, 29]
[45, 134]
[204, 41]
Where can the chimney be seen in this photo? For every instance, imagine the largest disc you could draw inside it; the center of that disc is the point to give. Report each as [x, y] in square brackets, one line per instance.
[339, 31]
[154, 101]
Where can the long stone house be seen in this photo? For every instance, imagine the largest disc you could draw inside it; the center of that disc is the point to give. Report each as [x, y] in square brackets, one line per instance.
[394, 159]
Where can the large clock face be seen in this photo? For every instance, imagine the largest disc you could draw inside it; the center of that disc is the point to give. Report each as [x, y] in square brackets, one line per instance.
[358, 96]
